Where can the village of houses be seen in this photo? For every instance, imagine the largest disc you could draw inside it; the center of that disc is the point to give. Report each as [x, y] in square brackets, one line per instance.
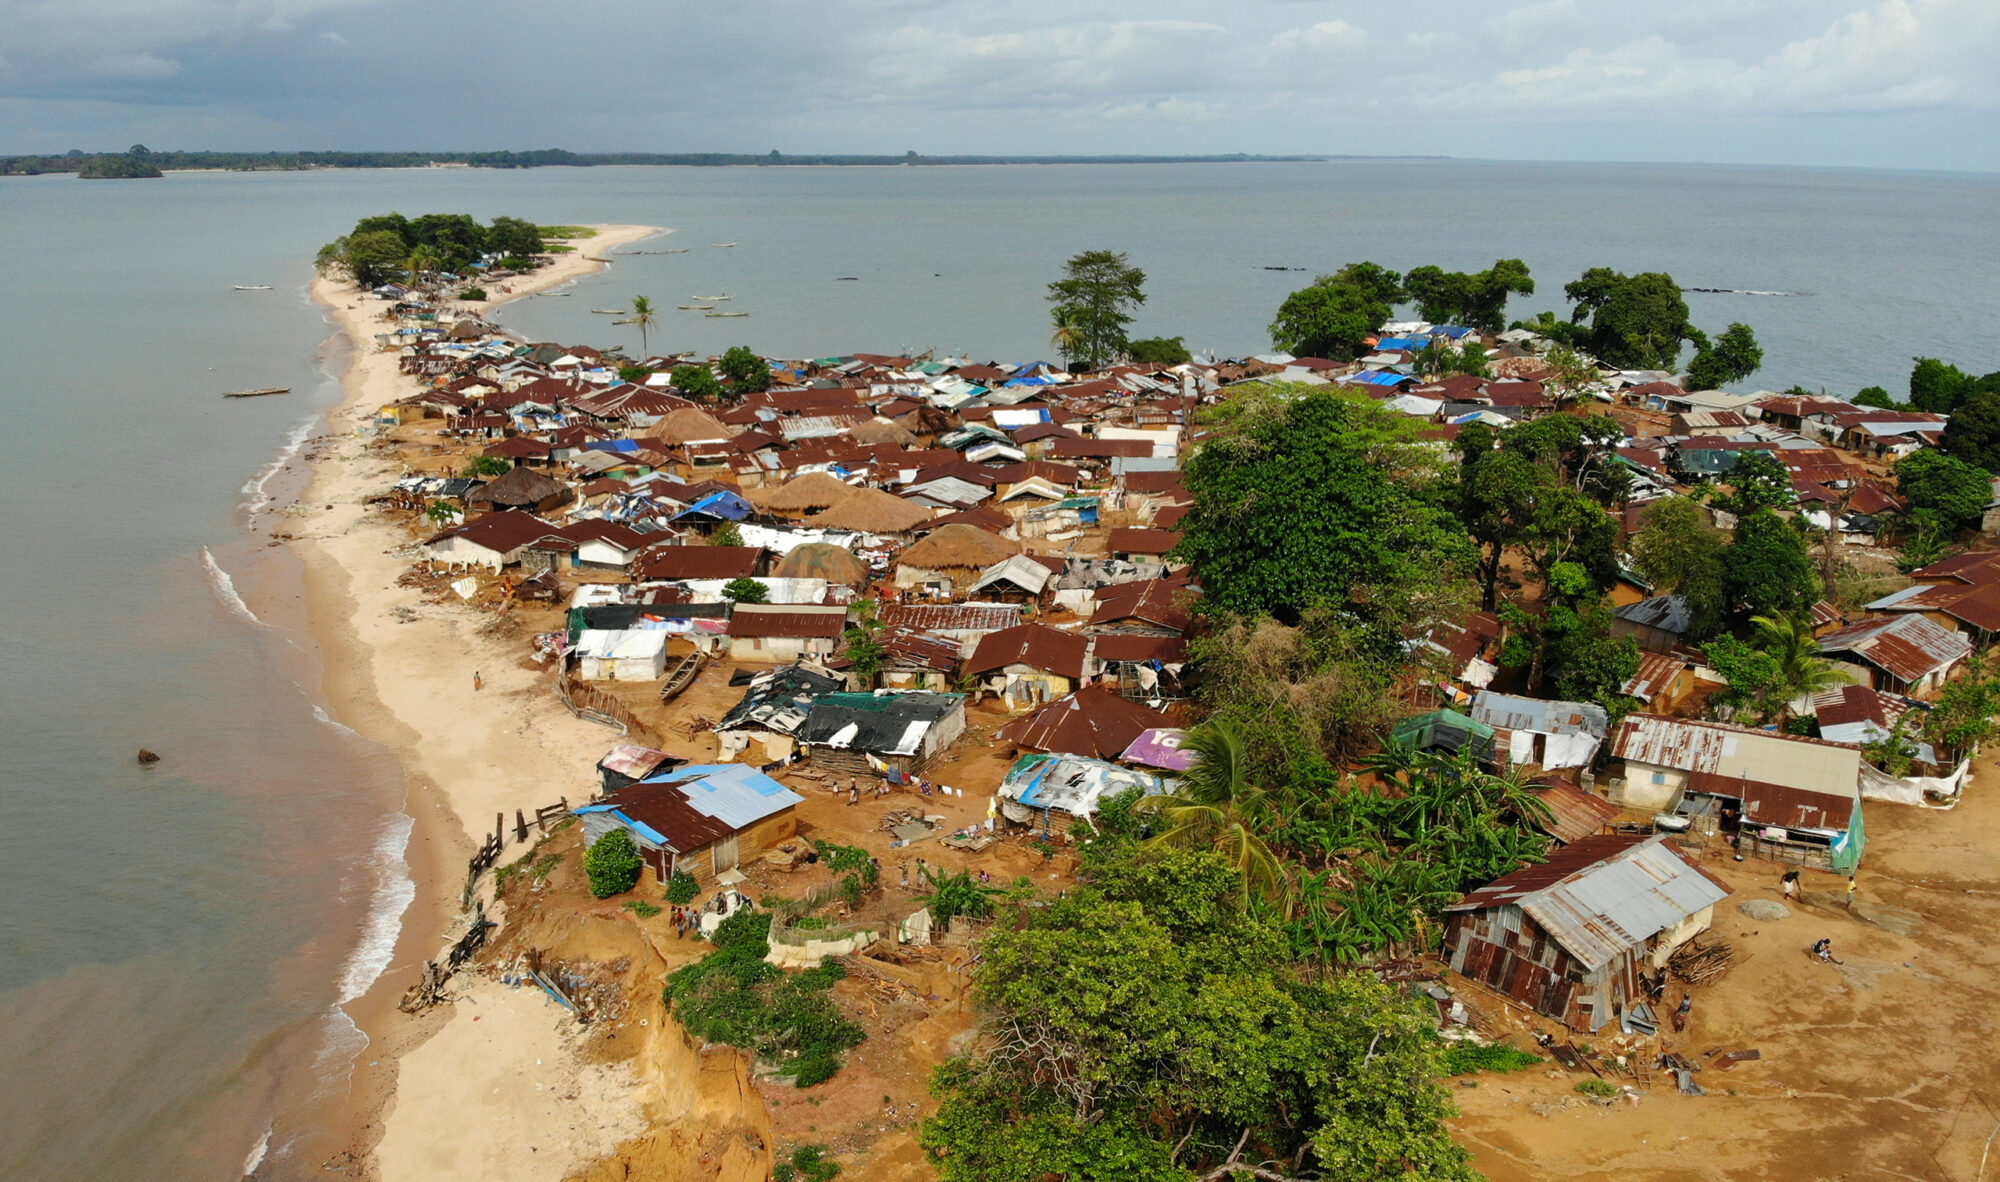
[1004, 536]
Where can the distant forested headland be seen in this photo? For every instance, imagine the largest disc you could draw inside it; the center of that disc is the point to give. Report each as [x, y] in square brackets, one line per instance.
[140, 161]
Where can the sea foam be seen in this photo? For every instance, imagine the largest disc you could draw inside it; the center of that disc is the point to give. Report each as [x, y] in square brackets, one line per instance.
[225, 589]
[394, 890]
[256, 498]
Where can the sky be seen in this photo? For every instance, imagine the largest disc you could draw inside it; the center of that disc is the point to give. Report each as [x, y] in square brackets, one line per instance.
[1867, 83]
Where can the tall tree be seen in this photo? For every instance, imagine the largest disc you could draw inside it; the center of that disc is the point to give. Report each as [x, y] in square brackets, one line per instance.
[1636, 321]
[1758, 481]
[1769, 572]
[374, 258]
[1730, 357]
[1797, 669]
[1476, 300]
[1680, 553]
[647, 319]
[1953, 489]
[1067, 337]
[1327, 499]
[1569, 375]
[1332, 318]
[1100, 291]
[747, 372]
[1972, 434]
[1571, 643]
[1379, 281]
[1937, 386]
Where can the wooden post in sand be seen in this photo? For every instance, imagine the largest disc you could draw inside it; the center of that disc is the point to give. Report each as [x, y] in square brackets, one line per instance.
[520, 826]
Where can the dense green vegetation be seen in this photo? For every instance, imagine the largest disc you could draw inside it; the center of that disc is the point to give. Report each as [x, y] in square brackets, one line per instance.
[612, 864]
[388, 247]
[1148, 1027]
[788, 1020]
[127, 167]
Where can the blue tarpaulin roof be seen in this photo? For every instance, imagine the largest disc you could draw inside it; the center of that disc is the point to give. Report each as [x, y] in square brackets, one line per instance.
[1380, 377]
[726, 505]
[621, 446]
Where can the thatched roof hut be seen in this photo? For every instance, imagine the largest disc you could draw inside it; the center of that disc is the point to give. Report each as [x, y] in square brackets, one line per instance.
[959, 550]
[690, 424]
[803, 494]
[823, 560]
[872, 511]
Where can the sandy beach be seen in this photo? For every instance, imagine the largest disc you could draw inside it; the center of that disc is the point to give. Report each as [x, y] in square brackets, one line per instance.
[454, 1093]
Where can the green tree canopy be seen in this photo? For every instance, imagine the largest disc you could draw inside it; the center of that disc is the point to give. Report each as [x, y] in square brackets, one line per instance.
[1330, 319]
[1477, 299]
[1147, 1028]
[1681, 553]
[747, 372]
[1731, 357]
[1379, 281]
[1328, 498]
[1953, 489]
[1972, 434]
[1769, 572]
[1758, 481]
[1937, 386]
[1098, 294]
[745, 590]
[1634, 321]
[1159, 351]
[1875, 396]
[1570, 645]
[514, 236]
[374, 258]
[612, 864]
[697, 382]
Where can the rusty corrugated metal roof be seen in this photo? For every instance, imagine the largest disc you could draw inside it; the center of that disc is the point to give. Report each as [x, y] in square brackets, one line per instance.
[1907, 647]
[1603, 896]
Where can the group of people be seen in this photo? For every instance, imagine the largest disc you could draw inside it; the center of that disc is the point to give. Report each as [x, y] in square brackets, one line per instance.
[1822, 949]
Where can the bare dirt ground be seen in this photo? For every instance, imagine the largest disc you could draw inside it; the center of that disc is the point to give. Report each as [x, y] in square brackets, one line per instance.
[1885, 1066]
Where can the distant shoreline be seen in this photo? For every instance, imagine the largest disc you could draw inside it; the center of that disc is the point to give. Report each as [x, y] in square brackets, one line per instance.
[35, 165]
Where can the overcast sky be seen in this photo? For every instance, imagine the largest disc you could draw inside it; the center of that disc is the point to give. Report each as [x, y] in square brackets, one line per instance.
[1879, 83]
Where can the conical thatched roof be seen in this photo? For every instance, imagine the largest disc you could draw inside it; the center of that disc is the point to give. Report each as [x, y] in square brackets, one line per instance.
[872, 511]
[882, 431]
[689, 424]
[823, 560]
[521, 486]
[958, 547]
[801, 494]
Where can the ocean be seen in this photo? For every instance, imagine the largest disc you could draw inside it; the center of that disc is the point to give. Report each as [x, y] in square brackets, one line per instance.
[176, 939]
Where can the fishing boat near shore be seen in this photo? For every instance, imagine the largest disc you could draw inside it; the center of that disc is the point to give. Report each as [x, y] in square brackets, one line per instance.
[681, 250]
[711, 299]
[694, 307]
[610, 311]
[723, 315]
[722, 244]
[253, 287]
[257, 393]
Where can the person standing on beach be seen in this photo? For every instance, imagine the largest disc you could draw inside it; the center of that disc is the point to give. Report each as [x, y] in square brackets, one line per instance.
[475, 681]
[1791, 883]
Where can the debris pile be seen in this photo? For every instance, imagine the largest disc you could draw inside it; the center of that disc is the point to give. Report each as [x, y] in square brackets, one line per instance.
[1698, 964]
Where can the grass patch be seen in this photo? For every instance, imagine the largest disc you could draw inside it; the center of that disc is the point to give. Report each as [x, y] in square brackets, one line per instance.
[808, 1163]
[732, 996]
[566, 232]
[1597, 1088]
[1465, 1058]
[641, 908]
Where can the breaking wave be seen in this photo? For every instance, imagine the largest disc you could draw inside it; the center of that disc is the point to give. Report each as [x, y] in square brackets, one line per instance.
[256, 499]
[225, 589]
[394, 891]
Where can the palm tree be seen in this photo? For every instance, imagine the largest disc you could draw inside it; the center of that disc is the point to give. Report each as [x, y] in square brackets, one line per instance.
[1068, 336]
[1216, 807]
[1801, 671]
[644, 316]
[422, 261]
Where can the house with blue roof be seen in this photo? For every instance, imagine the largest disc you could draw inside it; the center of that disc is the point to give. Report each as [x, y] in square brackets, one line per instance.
[705, 819]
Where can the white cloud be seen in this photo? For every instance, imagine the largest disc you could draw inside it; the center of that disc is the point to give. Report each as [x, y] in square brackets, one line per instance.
[1325, 37]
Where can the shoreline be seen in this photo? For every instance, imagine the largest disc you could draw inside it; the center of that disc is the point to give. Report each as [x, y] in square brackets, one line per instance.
[399, 685]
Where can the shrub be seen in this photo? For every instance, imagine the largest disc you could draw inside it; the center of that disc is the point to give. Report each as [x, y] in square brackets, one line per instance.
[613, 864]
[746, 590]
[808, 1163]
[732, 996]
[682, 888]
[633, 373]
[1597, 1088]
[472, 293]
[641, 908]
[1465, 1058]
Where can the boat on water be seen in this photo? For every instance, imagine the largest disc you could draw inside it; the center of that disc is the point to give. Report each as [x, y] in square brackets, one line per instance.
[257, 393]
[610, 311]
[711, 299]
[694, 307]
[722, 244]
[633, 321]
[253, 287]
[723, 315]
[681, 250]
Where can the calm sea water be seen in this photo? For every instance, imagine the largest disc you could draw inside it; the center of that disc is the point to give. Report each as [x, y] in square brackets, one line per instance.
[174, 939]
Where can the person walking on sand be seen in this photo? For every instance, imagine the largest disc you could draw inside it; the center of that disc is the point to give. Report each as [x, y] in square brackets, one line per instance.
[853, 793]
[1850, 892]
[1791, 884]
[475, 681]
[1687, 1004]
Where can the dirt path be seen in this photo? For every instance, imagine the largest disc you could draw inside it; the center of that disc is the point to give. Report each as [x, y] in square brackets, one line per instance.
[1884, 1067]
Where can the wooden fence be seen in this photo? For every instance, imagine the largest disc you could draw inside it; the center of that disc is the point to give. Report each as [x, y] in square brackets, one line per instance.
[586, 701]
